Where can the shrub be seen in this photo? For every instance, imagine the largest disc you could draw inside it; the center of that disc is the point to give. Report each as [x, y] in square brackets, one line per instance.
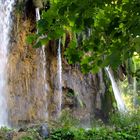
[100, 133]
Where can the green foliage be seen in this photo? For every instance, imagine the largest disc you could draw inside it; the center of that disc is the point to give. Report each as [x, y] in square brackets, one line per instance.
[66, 120]
[3, 132]
[61, 134]
[114, 30]
[127, 124]
[5, 129]
[27, 138]
[70, 93]
[121, 126]
[31, 38]
[100, 133]
[31, 134]
[127, 119]
[19, 7]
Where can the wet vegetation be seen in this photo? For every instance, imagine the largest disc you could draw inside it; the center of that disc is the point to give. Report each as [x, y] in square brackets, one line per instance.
[120, 126]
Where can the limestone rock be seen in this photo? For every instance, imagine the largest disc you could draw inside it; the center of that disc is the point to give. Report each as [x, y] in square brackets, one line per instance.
[27, 100]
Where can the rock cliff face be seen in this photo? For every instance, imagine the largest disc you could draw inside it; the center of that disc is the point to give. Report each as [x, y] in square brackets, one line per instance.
[28, 102]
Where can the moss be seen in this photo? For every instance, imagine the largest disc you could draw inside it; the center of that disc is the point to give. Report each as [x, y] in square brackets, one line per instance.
[19, 7]
[38, 3]
[108, 99]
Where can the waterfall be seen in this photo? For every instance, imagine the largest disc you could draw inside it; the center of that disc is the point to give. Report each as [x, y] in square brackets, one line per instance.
[43, 62]
[59, 75]
[59, 68]
[6, 7]
[135, 86]
[89, 32]
[117, 94]
[37, 14]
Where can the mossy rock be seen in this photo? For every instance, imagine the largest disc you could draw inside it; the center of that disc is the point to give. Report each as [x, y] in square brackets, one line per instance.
[38, 3]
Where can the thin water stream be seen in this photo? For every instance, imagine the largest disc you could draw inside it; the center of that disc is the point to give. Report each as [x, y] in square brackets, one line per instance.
[59, 73]
[117, 94]
[43, 62]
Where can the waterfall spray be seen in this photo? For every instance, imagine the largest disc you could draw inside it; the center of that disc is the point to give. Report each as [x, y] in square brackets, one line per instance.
[59, 73]
[117, 94]
[6, 8]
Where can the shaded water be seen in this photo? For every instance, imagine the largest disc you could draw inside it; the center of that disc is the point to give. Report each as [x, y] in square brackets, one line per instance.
[6, 7]
[117, 94]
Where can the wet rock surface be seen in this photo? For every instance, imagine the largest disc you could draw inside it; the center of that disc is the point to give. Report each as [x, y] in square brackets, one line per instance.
[43, 131]
[28, 102]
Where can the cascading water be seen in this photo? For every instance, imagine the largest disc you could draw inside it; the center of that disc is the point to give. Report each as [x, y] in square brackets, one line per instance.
[6, 7]
[134, 87]
[37, 14]
[89, 32]
[117, 94]
[59, 74]
[43, 62]
[59, 69]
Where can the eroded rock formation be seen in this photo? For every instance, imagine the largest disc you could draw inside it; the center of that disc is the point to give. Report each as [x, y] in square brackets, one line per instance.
[82, 94]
